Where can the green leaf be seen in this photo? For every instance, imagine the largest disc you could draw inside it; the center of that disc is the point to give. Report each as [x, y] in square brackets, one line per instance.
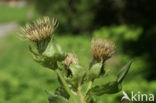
[123, 72]
[78, 74]
[62, 92]
[109, 88]
[77, 100]
[56, 98]
[94, 72]
[51, 55]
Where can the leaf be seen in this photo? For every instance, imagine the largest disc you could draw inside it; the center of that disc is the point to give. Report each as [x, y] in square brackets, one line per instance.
[78, 74]
[94, 72]
[123, 72]
[56, 98]
[50, 56]
[62, 92]
[77, 100]
[109, 88]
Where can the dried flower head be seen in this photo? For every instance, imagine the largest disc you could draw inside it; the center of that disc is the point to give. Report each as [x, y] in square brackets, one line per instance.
[70, 59]
[39, 30]
[102, 49]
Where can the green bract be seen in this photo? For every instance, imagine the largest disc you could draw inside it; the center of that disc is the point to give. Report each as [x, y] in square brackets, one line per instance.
[95, 71]
[50, 56]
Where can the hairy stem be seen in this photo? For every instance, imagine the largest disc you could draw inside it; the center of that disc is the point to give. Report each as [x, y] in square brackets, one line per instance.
[79, 93]
[89, 86]
[66, 86]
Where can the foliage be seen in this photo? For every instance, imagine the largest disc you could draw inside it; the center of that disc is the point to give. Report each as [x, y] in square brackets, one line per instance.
[87, 15]
[15, 14]
[74, 16]
[22, 79]
[71, 75]
[105, 13]
[134, 41]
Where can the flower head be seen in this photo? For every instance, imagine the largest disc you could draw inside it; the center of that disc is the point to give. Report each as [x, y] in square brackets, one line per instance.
[70, 59]
[102, 49]
[39, 30]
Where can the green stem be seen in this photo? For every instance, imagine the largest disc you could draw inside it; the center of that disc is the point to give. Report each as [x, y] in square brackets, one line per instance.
[89, 86]
[66, 86]
[87, 97]
[79, 93]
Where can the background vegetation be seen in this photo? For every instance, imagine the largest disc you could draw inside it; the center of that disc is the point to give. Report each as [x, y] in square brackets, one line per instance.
[129, 23]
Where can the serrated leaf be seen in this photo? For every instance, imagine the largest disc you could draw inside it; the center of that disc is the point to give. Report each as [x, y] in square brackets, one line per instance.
[109, 88]
[56, 98]
[123, 72]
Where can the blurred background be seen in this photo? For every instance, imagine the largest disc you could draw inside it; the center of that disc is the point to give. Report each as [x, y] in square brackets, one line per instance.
[131, 24]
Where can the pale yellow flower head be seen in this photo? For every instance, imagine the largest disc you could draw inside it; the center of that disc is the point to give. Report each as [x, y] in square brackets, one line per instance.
[70, 59]
[102, 49]
[39, 30]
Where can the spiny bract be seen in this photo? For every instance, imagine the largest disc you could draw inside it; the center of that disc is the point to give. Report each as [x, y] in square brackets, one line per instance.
[102, 49]
[39, 30]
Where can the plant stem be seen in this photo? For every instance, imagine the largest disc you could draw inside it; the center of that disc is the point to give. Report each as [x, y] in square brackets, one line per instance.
[87, 97]
[66, 86]
[79, 93]
[89, 86]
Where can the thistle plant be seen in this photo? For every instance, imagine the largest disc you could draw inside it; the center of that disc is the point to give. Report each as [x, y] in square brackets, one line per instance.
[71, 75]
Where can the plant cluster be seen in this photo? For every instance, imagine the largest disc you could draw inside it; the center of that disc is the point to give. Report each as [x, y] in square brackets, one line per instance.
[71, 75]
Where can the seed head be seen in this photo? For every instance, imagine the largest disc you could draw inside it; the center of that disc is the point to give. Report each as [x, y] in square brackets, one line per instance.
[39, 30]
[102, 49]
[70, 59]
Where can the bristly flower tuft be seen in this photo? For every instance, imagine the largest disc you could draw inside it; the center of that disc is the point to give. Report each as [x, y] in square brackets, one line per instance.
[39, 30]
[102, 49]
[70, 59]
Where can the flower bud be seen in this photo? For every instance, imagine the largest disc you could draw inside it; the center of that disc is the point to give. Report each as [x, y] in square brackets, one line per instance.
[70, 59]
[49, 58]
[102, 49]
[39, 30]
